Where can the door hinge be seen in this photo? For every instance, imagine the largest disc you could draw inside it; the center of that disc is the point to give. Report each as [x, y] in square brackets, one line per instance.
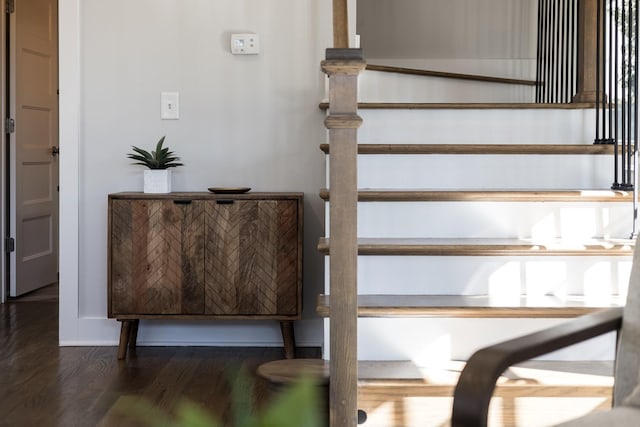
[9, 244]
[10, 6]
[9, 125]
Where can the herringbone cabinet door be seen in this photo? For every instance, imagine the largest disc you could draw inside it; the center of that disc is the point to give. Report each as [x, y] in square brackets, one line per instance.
[251, 257]
[157, 253]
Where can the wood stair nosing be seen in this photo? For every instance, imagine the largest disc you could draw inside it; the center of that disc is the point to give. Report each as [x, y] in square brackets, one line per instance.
[468, 306]
[486, 247]
[482, 149]
[416, 195]
[466, 106]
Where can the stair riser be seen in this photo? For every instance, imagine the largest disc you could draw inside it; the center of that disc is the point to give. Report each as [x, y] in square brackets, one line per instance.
[505, 277]
[493, 219]
[498, 126]
[429, 341]
[485, 172]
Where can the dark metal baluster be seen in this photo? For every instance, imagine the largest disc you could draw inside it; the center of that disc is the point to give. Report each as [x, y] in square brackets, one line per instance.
[556, 52]
[539, 52]
[603, 30]
[616, 151]
[635, 74]
[623, 113]
[548, 82]
[598, 18]
[562, 52]
[572, 55]
[635, 121]
[611, 102]
[630, 72]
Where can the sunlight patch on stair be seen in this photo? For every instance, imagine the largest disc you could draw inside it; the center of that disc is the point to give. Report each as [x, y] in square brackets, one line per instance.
[573, 225]
[546, 278]
[597, 283]
[504, 284]
[544, 229]
[578, 223]
[437, 353]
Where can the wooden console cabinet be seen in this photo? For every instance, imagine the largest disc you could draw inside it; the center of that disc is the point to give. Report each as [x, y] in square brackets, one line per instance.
[205, 256]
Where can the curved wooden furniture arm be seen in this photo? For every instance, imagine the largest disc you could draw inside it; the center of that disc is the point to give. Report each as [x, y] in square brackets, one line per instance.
[478, 378]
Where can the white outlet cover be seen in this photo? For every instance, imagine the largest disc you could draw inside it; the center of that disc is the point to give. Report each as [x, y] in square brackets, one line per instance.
[169, 105]
[245, 44]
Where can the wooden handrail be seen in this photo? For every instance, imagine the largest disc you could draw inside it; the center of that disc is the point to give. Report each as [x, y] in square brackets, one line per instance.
[340, 24]
[459, 76]
[466, 106]
[483, 149]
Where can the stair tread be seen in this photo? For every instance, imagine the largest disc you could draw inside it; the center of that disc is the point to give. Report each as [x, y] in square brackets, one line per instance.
[532, 374]
[374, 195]
[487, 247]
[486, 149]
[466, 106]
[472, 306]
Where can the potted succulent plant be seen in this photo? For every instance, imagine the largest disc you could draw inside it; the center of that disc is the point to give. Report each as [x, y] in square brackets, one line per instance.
[157, 178]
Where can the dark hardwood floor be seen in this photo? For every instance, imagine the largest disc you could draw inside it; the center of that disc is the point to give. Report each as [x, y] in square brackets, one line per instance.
[42, 384]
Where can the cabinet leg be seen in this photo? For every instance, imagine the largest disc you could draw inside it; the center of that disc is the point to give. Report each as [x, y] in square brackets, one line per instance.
[125, 330]
[133, 336]
[289, 339]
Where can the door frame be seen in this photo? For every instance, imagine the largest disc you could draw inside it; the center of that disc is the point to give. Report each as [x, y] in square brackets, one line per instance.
[4, 282]
[69, 78]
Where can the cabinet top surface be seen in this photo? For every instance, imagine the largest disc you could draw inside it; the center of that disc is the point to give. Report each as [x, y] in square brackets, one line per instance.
[207, 195]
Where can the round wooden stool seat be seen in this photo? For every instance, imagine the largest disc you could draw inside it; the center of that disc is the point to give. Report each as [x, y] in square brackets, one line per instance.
[284, 372]
[281, 373]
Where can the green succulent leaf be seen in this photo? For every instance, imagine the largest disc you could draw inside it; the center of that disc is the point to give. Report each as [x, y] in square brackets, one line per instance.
[160, 158]
[143, 153]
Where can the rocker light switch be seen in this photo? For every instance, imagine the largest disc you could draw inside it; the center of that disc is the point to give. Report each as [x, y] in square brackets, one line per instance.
[169, 106]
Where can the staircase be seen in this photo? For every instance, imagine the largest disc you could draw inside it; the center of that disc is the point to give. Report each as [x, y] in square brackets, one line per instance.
[476, 223]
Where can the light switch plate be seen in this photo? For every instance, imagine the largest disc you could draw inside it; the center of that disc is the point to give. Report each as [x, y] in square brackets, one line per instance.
[169, 105]
[245, 44]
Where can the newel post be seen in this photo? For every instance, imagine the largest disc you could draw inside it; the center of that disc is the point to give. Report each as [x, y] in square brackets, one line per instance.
[590, 42]
[343, 66]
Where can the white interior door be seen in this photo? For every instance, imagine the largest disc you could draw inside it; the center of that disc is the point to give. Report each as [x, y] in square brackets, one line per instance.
[33, 145]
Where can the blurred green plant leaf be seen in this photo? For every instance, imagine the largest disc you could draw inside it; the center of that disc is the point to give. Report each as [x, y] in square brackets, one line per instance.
[191, 415]
[297, 406]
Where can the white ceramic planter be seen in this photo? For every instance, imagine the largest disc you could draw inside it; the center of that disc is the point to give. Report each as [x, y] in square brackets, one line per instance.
[157, 181]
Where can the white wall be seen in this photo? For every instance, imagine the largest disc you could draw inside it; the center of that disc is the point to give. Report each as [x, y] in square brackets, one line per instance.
[245, 121]
[466, 36]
